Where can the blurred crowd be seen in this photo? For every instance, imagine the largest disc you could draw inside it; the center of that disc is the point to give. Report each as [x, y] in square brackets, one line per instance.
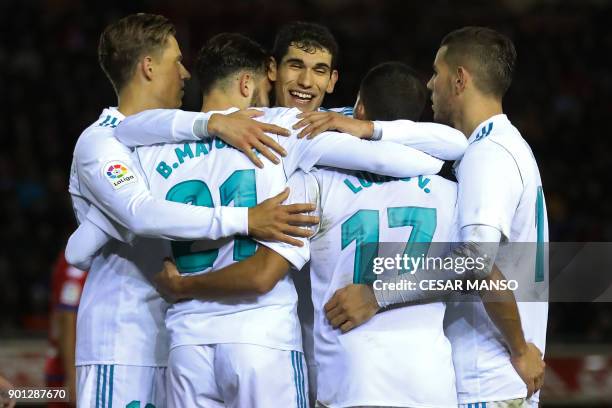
[51, 88]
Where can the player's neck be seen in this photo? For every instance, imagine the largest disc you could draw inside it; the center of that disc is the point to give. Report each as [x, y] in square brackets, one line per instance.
[132, 100]
[477, 111]
[218, 100]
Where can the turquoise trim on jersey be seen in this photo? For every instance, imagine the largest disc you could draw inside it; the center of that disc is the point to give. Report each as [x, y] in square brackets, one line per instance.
[300, 357]
[98, 386]
[104, 371]
[110, 382]
[105, 121]
[346, 110]
[295, 380]
[104, 387]
[298, 379]
[540, 225]
[110, 121]
[484, 132]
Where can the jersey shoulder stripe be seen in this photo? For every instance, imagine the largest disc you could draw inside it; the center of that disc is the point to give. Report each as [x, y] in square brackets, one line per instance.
[346, 111]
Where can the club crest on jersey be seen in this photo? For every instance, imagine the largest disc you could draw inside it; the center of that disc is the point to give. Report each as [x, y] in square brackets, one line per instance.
[118, 174]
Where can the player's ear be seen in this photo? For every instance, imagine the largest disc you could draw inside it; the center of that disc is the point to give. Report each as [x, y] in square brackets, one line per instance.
[359, 111]
[272, 69]
[246, 84]
[146, 67]
[332, 82]
[461, 80]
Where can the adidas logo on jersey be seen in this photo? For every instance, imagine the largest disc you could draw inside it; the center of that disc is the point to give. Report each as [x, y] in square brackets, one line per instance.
[484, 132]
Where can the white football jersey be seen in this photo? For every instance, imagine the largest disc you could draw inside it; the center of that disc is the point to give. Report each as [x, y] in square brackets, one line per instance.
[121, 315]
[211, 174]
[500, 186]
[120, 318]
[400, 357]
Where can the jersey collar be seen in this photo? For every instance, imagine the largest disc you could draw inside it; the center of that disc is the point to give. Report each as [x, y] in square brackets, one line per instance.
[486, 127]
[115, 112]
[110, 117]
[483, 130]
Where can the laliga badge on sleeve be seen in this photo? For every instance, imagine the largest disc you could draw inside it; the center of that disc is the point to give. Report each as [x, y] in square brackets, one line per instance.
[118, 174]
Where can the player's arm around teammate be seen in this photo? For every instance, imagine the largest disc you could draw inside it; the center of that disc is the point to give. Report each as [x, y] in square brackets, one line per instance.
[269, 219]
[488, 207]
[376, 123]
[440, 141]
[256, 275]
[237, 129]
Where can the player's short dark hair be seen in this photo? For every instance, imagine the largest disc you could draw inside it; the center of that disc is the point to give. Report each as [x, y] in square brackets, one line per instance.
[489, 55]
[306, 36]
[125, 41]
[228, 53]
[391, 91]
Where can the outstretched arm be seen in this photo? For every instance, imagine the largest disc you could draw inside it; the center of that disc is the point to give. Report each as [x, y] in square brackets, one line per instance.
[128, 201]
[347, 152]
[441, 141]
[357, 303]
[132, 205]
[438, 140]
[237, 129]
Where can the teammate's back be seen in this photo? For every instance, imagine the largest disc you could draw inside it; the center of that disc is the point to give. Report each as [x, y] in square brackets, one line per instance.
[365, 216]
[214, 174]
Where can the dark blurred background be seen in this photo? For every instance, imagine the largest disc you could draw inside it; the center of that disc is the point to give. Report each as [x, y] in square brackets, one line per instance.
[51, 88]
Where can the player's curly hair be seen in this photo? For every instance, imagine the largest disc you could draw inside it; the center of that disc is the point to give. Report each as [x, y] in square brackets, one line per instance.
[124, 42]
[487, 54]
[306, 36]
[228, 53]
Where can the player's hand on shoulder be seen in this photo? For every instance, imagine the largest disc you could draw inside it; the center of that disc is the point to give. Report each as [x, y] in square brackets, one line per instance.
[351, 306]
[530, 367]
[240, 130]
[272, 221]
[168, 282]
[315, 123]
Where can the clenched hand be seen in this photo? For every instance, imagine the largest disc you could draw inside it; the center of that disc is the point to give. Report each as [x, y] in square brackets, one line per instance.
[351, 306]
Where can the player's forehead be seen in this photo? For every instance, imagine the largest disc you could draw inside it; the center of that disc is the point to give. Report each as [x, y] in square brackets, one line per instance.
[171, 48]
[309, 56]
[439, 60]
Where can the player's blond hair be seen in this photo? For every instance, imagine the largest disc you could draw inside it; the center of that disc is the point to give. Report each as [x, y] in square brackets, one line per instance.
[125, 41]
